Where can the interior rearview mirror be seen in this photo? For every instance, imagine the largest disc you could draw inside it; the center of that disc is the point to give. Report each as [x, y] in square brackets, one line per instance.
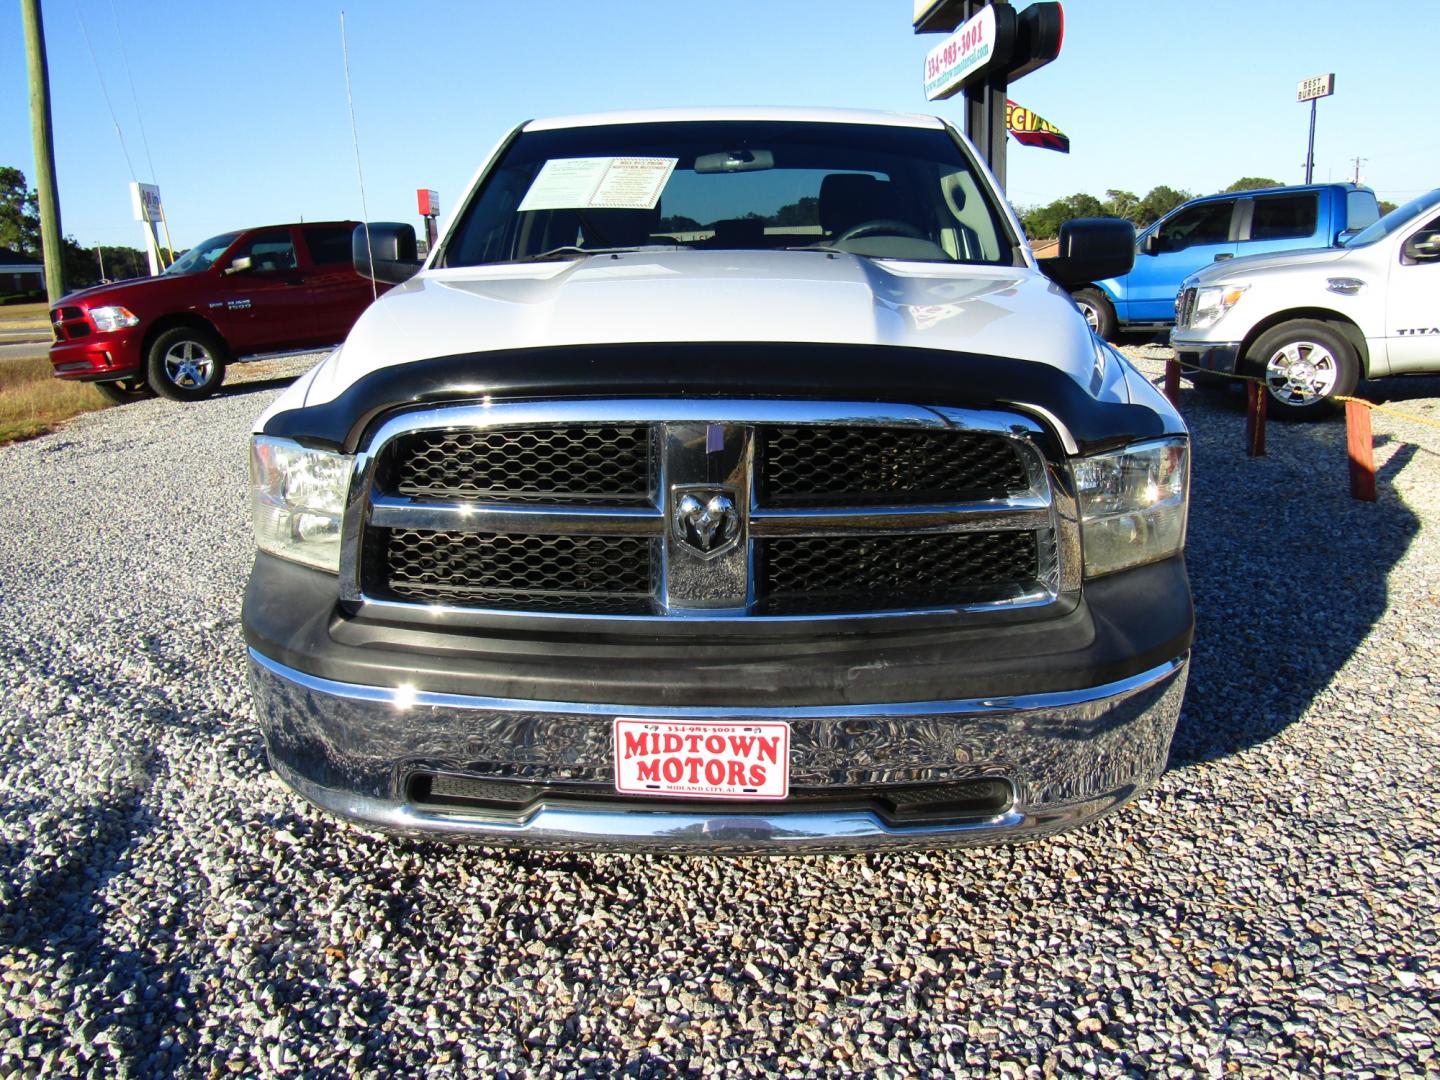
[244, 262]
[1423, 246]
[728, 161]
[1091, 249]
[386, 251]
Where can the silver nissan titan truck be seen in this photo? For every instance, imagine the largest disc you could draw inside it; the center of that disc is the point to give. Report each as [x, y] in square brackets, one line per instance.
[725, 480]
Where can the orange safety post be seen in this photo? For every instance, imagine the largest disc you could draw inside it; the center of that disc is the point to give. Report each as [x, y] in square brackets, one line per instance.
[1255, 419]
[1360, 444]
[1172, 382]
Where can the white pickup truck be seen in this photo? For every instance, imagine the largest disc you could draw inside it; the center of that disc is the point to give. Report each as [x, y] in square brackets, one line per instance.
[726, 480]
[1313, 323]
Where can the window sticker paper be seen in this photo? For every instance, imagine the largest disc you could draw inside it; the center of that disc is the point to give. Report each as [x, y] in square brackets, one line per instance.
[622, 183]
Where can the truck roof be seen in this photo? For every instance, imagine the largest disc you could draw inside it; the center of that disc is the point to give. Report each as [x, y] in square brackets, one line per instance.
[793, 115]
[1342, 185]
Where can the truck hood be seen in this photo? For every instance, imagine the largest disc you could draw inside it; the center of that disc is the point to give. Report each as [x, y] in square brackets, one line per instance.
[133, 290]
[1250, 264]
[693, 296]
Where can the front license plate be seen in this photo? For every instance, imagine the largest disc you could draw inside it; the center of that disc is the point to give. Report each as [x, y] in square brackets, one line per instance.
[707, 760]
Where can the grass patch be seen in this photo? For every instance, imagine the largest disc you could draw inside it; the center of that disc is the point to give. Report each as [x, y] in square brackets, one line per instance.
[33, 401]
[26, 313]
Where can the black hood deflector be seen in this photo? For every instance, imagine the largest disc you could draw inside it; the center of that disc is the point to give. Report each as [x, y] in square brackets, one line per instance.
[723, 370]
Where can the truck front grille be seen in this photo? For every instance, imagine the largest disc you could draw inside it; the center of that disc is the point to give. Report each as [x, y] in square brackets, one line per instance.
[70, 323]
[816, 465]
[805, 575]
[1185, 308]
[602, 574]
[776, 510]
[572, 464]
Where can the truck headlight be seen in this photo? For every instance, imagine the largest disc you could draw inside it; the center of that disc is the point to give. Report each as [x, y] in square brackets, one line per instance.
[112, 318]
[297, 498]
[1133, 504]
[1212, 302]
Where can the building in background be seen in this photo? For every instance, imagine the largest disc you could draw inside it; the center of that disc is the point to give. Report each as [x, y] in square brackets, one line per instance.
[20, 273]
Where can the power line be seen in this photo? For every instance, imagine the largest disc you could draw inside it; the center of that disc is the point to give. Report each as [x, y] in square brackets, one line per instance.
[134, 98]
[104, 91]
[355, 136]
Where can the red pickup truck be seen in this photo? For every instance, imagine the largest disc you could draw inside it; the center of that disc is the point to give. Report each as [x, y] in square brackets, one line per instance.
[263, 290]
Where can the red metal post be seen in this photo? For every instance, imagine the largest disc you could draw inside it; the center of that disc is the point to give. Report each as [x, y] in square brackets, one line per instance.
[1172, 382]
[1255, 419]
[1360, 444]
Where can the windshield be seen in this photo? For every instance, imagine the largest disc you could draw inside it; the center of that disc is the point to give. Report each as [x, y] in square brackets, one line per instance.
[1396, 219]
[203, 255]
[886, 192]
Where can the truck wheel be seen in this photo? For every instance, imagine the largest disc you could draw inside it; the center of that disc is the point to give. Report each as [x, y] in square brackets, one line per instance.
[124, 391]
[1098, 311]
[1304, 363]
[185, 364]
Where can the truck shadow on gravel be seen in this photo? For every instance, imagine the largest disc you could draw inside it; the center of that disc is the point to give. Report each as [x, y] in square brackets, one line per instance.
[254, 386]
[53, 919]
[1289, 573]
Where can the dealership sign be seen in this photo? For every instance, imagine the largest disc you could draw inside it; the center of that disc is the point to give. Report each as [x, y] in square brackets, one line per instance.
[145, 201]
[1317, 87]
[960, 55]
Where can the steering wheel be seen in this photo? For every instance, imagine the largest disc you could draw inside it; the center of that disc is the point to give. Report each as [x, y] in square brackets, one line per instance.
[881, 227]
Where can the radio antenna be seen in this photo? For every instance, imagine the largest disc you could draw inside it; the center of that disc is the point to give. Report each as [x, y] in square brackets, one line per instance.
[359, 172]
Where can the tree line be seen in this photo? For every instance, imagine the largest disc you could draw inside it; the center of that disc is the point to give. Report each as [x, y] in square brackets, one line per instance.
[20, 233]
[1043, 222]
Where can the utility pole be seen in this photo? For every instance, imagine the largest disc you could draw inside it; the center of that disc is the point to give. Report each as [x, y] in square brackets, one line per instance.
[1358, 162]
[44, 142]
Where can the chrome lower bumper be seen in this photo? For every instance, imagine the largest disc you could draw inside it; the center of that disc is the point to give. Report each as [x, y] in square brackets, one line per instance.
[1069, 757]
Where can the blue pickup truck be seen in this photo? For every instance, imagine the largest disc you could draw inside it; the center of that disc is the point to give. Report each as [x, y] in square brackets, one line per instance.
[1215, 228]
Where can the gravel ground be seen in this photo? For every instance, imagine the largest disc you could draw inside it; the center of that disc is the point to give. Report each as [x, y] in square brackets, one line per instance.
[1271, 908]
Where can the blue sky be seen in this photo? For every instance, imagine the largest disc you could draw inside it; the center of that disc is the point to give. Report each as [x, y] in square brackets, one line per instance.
[245, 114]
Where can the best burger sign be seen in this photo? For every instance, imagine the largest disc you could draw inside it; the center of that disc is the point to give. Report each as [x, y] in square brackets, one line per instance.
[702, 760]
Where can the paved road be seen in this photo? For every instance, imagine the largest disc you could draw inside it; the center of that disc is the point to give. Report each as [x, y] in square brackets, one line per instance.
[23, 350]
[1271, 908]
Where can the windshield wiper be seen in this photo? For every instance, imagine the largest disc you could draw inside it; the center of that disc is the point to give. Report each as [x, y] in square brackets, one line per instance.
[570, 251]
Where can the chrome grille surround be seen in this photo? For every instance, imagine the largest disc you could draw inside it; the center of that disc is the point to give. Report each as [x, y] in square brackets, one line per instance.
[727, 587]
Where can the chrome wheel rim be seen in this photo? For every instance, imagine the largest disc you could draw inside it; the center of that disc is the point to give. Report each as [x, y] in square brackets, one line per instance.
[1092, 316]
[1302, 373]
[188, 364]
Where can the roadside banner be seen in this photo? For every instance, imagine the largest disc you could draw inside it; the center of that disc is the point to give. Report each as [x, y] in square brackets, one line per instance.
[1031, 129]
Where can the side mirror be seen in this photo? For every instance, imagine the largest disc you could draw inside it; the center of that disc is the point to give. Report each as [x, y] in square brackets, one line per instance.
[1091, 249]
[1423, 246]
[392, 245]
[1154, 244]
[243, 263]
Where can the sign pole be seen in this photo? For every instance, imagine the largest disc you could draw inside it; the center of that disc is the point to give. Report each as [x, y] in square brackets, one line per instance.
[1312, 90]
[1310, 150]
[990, 44]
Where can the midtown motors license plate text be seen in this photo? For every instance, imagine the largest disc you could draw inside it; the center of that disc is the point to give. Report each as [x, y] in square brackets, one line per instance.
[706, 760]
